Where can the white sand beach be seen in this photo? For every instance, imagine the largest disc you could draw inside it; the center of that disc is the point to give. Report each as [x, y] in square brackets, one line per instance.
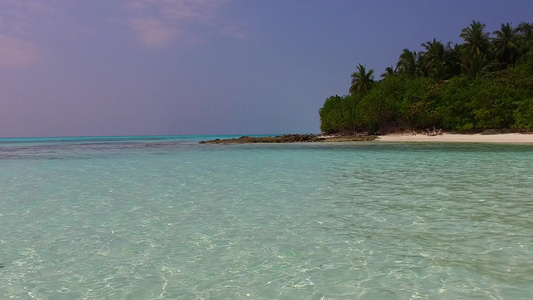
[460, 138]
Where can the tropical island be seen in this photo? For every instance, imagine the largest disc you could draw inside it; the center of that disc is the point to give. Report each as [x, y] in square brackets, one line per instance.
[483, 85]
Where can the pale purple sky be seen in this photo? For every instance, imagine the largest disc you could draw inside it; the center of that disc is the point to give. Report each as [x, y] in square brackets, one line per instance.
[166, 67]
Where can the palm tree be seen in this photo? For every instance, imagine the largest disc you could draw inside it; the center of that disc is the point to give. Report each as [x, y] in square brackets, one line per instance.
[389, 71]
[362, 81]
[432, 60]
[506, 44]
[438, 61]
[477, 42]
[526, 30]
[453, 59]
[475, 50]
[407, 63]
[478, 66]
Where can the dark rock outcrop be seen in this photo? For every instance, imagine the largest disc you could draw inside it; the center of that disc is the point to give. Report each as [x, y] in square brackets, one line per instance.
[290, 138]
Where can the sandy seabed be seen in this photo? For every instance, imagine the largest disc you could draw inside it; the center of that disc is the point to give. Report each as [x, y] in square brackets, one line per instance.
[458, 138]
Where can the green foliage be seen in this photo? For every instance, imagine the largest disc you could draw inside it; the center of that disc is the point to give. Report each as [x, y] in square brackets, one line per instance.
[452, 108]
[379, 109]
[339, 114]
[492, 105]
[484, 83]
[418, 103]
[523, 115]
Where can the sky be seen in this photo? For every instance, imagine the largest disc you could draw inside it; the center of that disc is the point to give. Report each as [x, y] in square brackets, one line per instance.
[189, 67]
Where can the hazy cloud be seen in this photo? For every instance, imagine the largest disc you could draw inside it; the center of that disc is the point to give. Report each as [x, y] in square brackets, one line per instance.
[158, 22]
[34, 6]
[152, 32]
[234, 30]
[26, 24]
[16, 53]
[19, 21]
[20, 17]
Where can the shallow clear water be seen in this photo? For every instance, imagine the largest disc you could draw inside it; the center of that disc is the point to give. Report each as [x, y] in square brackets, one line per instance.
[167, 218]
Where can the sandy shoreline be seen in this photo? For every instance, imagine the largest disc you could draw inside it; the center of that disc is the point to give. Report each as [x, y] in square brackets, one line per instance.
[526, 138]
[510, 138]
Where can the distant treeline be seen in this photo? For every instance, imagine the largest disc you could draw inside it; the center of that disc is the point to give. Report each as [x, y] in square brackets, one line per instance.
[484, 83]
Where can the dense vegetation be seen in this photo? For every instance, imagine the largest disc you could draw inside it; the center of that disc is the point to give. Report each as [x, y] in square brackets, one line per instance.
[484, 83]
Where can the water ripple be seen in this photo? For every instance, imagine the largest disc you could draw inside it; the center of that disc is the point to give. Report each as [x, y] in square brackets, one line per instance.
[351, 221]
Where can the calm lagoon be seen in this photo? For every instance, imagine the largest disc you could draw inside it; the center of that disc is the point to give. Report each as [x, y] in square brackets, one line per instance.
[168, 218]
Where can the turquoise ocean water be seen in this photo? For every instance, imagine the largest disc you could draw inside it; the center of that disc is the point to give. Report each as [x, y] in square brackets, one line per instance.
[168, 218]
